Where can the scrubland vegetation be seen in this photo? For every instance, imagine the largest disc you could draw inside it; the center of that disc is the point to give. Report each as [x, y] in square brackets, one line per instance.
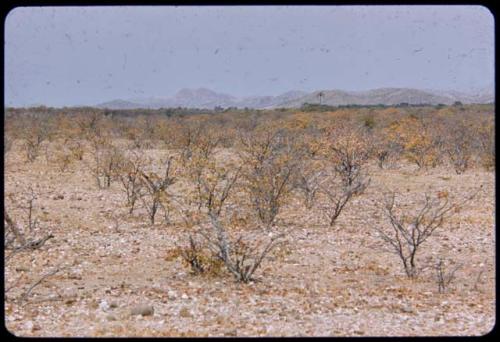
[230, 197]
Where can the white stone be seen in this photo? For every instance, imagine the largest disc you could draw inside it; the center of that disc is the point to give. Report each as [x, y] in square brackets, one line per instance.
[104, 306]
[28, 325]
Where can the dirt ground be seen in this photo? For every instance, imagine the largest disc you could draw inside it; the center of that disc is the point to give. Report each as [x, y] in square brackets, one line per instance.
[323, 282]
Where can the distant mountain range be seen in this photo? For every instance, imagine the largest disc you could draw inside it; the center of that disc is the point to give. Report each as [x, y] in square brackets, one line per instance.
[206, 98]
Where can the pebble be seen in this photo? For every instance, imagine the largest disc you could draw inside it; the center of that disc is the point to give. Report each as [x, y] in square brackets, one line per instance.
[143, 310]
[406, 309]
[28, 325]
[232, 332]
[185, 313]
[104, 306]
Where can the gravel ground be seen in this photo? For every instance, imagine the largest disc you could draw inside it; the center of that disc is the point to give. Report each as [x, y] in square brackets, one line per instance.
[322, 282]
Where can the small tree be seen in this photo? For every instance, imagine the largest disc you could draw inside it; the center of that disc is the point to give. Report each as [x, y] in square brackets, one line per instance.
[320, 96]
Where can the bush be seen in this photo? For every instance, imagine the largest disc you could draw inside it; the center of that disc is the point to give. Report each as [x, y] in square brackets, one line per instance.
[410, 230]
[270, 167]
[157, 196]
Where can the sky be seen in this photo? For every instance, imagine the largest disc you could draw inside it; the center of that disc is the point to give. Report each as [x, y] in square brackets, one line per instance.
[66, 56]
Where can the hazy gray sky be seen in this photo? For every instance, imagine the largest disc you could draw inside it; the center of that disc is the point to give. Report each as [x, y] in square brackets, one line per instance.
[72, 56]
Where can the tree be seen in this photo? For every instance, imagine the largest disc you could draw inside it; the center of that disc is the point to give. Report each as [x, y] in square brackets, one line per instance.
[320, 96]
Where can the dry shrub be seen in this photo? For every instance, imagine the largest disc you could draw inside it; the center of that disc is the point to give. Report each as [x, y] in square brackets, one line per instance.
[63, 159]
[213, 182]
[338, 193]
[347, 154]
[157, 195]
[7, 144]
[130, 174]
[415, 135]
[76, 148]
[18, 237]
[200, 259]
[270, 162]
[310, 177]
[242, 255]
[445, 277]
[34, 133]
[107, 161]
[485, 137]
[349, 151]
[410, 229]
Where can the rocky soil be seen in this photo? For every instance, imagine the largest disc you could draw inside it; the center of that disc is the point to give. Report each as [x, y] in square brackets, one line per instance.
[117, 276]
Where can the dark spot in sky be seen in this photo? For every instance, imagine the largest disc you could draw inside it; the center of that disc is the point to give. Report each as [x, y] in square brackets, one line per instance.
[417, 50]
[216, 51]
